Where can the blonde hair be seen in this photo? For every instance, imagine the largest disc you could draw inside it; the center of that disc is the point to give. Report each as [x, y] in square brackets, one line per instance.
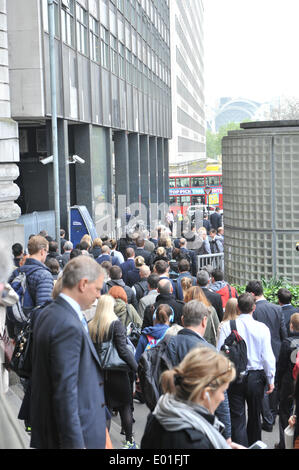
[168, 242]
[104, 316]
[86, 238]
[139, 261]
[161, 251]
[186, 283]
[231, 310]
[201, 368]
[196, 293]
[97, 242]
[294, 321]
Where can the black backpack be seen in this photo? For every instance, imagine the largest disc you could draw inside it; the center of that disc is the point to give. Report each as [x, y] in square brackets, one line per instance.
[151, 364]
[234, 347]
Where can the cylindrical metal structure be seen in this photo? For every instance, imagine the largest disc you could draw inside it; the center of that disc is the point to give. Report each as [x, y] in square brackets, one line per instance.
[261, 201]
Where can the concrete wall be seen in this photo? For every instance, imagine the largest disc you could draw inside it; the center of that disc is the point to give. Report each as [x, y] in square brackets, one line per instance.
[10, 231]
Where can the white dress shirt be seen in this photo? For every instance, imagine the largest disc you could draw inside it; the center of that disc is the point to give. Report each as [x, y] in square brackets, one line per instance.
[77, 309]
[258, 341]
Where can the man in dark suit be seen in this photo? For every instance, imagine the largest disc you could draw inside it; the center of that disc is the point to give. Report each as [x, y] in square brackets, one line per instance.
[284, 300]
[272, 316]
[141, 251]
[203, 280]
[67, 402]
[129, 264]
[215, 219]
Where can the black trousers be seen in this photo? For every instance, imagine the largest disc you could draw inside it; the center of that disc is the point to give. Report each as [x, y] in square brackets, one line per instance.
[250, 391]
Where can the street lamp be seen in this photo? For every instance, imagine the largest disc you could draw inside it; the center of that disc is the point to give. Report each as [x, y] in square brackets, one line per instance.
[208, 191]
[51, 14]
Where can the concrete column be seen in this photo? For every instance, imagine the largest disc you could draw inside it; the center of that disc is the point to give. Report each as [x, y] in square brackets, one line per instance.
[166, 170]
[145, 174]
[160, 163]
[134, 166]
[122, 181]
[153, 179]
[10, 231]
[64, 174]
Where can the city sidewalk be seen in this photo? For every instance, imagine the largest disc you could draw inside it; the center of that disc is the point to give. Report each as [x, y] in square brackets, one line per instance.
[15, 394]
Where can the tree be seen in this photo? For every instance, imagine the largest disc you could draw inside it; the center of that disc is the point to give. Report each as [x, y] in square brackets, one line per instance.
[214, 140]
[287, 108]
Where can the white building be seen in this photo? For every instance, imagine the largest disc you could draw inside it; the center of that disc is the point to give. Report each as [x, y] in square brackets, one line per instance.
[187, 70]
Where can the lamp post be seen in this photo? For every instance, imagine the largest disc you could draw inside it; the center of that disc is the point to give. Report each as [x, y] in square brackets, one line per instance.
[208, 191]
[51, 15]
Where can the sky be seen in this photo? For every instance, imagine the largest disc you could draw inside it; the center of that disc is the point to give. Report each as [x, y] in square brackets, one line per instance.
[251, 49]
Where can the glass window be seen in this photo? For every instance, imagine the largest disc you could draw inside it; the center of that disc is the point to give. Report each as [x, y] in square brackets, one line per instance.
[104, 13]
[197, 200]
[81, 29]
[181, 200]
[68, 25]
[172, 200]
[183, 182]
[94, 39]
[104, 47]
[197, 181]
[172, 182]
[212, 180]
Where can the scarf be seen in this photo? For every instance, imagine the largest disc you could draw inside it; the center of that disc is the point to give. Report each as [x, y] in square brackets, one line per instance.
[175, 415]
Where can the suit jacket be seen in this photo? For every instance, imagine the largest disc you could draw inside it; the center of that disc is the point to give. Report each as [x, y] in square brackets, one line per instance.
[272, 316]
[215, 220]
[288, 311]
[215, 300]
[127, 266]
[67, 401]
[145, 254]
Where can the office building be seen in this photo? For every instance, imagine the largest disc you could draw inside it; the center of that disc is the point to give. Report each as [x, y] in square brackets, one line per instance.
[113, 103]
[187, 71]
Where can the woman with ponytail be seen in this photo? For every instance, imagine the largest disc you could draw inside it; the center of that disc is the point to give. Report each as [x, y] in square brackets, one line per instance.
[163, 317]
[184, 415]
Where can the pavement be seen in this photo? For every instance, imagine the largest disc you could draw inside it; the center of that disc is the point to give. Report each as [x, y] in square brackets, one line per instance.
[15, 394]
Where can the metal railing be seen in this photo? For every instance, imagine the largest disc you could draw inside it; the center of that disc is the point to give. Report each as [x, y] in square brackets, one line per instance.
[215, 261]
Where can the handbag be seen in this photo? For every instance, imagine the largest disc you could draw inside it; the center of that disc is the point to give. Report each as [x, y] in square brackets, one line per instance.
[108, 355]
[289, 436]
[21, 361]
[7, 347]
[133, 330]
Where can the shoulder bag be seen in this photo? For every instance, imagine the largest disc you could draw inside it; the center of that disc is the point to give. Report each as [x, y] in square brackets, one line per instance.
[108, 355]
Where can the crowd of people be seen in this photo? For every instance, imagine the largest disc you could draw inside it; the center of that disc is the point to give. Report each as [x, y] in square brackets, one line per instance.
[101, 291]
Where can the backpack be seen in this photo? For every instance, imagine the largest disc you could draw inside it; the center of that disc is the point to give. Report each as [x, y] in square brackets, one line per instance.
[227, 292]
[20, 311]
[151, 364]
[235, 349]
[141, 290]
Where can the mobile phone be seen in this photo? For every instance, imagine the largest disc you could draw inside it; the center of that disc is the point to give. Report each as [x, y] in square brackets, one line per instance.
[258, 445]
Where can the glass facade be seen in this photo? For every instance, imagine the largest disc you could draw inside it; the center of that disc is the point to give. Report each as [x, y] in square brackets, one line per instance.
[131, 41]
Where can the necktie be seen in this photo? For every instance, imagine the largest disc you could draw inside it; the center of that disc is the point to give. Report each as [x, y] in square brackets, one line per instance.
[84, 323]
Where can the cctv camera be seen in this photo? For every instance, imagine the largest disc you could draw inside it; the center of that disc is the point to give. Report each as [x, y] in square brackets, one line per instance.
[47, 160]
[77, 159]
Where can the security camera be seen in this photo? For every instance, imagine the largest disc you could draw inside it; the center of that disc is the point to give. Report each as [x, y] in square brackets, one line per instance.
[47, 160]
[76, 159]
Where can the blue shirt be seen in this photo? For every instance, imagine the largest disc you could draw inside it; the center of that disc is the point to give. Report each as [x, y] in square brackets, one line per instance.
[74, 304]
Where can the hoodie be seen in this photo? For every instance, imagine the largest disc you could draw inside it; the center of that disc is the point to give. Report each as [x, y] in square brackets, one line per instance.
[157, 331]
